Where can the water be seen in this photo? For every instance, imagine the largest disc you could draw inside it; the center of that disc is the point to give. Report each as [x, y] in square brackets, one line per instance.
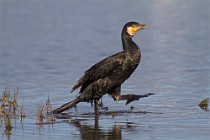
[47, 45]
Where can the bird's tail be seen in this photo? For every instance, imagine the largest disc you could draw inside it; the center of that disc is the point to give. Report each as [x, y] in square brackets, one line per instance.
[66, 106]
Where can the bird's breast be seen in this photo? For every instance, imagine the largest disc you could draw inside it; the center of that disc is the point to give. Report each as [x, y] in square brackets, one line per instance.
[132, 60]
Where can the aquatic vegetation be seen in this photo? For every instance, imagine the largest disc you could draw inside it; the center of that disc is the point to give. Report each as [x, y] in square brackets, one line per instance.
[113, 115]
[40, 115]
[48, 105]
[45, 117]
[22, 113]
[204, 104]
[9, 109]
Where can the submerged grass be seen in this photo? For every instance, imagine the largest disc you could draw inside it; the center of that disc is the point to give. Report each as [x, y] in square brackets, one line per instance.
[9, 108]
[45, 117]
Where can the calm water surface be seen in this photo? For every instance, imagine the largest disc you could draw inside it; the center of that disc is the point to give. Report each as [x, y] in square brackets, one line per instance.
[47, 45]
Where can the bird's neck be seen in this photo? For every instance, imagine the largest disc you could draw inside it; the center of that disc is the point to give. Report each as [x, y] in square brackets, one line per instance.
[128, 44]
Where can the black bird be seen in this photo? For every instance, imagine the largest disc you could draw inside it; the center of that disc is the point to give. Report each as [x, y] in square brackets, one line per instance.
[106, 76]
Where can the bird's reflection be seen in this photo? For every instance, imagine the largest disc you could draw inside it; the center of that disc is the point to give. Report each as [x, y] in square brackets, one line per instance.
[99, 130]
[94, 132]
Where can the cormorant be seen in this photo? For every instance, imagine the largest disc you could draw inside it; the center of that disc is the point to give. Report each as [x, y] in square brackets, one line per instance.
[106, 76]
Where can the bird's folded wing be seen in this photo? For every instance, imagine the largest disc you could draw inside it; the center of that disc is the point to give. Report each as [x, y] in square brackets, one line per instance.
[100, 70]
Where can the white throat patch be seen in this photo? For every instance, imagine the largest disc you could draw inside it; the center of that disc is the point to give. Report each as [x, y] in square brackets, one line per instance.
[131, 31]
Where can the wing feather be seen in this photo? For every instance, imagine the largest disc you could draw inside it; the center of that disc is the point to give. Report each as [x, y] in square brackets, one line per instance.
[100, 70]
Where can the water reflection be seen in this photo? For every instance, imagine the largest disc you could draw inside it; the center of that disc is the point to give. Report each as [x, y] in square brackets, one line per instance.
[8, 133]
[94, 132]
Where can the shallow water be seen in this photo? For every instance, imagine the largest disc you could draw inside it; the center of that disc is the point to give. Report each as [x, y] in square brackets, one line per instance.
[47, 45]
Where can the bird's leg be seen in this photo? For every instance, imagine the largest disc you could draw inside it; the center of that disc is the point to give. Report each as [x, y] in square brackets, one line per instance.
[96, 107]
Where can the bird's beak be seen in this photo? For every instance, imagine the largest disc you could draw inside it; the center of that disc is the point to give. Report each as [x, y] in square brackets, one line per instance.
[141, 27]
[133, 30]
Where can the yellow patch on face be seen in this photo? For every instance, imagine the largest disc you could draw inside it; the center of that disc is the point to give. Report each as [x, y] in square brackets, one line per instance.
[132, 30]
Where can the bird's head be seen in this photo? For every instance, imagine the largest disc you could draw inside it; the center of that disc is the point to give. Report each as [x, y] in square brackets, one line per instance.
[131, 28]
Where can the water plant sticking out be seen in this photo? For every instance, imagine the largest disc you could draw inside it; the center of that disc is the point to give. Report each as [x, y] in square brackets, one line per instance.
[204, 104]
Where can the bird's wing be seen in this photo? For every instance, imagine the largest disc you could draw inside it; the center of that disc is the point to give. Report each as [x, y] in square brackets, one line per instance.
[100, 70]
